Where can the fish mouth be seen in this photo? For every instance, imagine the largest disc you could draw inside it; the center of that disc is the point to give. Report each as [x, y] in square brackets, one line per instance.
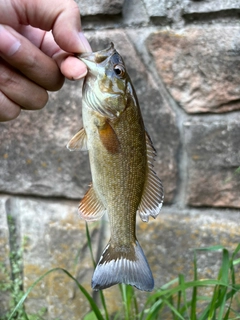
[93, 58]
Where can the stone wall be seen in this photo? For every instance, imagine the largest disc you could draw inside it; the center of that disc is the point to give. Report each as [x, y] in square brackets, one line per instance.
[184, 61]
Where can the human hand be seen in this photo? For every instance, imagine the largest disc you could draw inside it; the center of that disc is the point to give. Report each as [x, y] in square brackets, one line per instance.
[37, 42]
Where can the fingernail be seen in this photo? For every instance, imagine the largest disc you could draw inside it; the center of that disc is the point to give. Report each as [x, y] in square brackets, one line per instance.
[80, 76]
[8, 43]
[85, 44]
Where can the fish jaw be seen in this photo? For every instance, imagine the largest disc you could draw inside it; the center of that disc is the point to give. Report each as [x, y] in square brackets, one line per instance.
[98, 56]
[91, 65]
[94, 59]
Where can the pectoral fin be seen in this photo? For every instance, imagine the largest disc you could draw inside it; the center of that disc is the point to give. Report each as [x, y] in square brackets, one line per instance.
[91, 208]
[79, 141]
[152, 198]
[109, 138]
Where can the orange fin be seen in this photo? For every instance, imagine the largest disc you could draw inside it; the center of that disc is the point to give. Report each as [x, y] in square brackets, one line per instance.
[78, 141]
[152, 198]
[91, 208]
[109, 138]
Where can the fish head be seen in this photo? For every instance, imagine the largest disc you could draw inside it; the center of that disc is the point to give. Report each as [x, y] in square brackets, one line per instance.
[106, 83]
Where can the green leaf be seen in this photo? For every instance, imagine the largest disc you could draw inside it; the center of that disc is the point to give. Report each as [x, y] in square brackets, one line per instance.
[90, 316]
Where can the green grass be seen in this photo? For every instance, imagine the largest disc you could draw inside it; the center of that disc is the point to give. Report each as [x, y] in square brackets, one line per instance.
[177, 299]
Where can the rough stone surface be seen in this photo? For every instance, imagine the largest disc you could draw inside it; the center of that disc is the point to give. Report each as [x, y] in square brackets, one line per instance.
[54, 237]
[156, 8]
[158, 118]
[134, 13]
[102, 7]
[209, 6]
[5, 270]
[214, 156]
[162, 11]
[200, 67]
[34, 159]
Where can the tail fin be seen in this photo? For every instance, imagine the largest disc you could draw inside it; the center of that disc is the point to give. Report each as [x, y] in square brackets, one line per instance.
[123, 265]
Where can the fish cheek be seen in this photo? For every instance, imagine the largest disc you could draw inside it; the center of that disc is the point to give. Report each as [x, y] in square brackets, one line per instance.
[108, 138]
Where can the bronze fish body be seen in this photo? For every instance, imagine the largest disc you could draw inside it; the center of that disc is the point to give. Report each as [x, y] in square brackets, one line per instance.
[121, 159]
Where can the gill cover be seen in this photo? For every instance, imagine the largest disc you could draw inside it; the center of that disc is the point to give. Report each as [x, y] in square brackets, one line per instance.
[106, 83]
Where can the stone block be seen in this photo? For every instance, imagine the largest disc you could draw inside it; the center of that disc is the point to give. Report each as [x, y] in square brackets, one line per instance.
[199, 66]
[134, 13]
[54, 237]
[214, 156]
[156, 8]
[34, 159]
[196, 7]
[100, 7]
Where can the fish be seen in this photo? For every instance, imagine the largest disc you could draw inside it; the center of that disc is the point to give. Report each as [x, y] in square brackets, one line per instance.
[121, 156]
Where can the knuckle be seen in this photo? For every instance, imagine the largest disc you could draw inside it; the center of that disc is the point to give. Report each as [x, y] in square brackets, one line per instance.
[7, 75]
[41, 100]
[8, 110]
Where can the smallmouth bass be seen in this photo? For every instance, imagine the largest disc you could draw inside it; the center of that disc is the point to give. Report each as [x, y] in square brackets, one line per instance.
[121, 158]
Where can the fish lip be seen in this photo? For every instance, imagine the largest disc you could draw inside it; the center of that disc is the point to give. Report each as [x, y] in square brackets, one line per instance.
[97, 56]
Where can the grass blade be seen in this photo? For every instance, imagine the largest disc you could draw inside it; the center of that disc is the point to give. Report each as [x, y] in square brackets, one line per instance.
[183, 290]
[224, 277]
[89, 242]
[194, 291]
[94, 265]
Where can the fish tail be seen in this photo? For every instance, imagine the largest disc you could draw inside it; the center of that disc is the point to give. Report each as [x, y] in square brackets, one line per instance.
[123, 265]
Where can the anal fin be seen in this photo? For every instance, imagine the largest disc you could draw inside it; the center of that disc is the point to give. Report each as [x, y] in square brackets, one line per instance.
[91, 208]
[152, 198]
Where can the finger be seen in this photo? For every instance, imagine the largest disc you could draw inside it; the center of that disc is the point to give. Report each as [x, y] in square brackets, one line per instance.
[70, 66]
[8, 109]
[20, 90]
[73, 68]
[31, 61]
[61, 16]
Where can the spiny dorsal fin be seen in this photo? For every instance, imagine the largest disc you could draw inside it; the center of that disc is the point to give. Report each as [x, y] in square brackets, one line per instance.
[91, 208]
[109, 138]
[152, 198]
[78, 141]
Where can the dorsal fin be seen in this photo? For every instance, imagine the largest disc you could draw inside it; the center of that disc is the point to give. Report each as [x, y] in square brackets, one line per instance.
[91, 207]
[152, 198]
[78, 141]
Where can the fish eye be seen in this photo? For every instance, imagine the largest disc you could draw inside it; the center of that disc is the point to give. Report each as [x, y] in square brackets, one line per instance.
[119, 70]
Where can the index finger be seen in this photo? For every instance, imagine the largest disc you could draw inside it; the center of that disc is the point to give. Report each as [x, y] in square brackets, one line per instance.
[60, 16]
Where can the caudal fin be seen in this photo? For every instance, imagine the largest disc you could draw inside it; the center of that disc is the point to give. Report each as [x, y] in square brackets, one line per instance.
[123, 265]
